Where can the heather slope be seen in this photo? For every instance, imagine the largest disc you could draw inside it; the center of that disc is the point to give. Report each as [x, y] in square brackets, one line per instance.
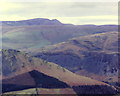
[94, 56]
[33, 72]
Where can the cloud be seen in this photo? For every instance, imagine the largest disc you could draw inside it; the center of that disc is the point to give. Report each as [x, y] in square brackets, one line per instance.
[68, 12]
[98, 20]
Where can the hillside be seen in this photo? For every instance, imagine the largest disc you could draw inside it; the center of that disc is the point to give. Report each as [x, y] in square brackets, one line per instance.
[36, 73]
[37, 33]
[94, 56]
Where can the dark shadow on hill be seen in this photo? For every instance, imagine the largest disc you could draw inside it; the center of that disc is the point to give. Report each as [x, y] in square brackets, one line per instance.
[14, 87]
[94, 89]
[41, 81]
[46, 81]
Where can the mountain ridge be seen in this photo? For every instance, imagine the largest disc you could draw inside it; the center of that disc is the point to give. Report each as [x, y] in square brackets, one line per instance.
[46, 19]
[20, 61]
[36, 21]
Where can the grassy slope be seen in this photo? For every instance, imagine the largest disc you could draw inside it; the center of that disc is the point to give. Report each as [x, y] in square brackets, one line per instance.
[106, 42]
[37, 36]
[44, 91]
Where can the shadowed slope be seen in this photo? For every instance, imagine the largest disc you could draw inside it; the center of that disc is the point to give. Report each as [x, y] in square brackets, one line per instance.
[31, 79]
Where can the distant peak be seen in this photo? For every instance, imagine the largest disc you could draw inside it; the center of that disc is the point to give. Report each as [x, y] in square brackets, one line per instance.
[35, 21]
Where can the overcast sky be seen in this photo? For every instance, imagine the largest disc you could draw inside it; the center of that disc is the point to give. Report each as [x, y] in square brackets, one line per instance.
[67, 12]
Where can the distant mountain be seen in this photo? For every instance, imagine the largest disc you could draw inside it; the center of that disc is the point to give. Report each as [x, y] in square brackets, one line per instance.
[37, 21]
[94, 56]
[22, 73]
[37, 33]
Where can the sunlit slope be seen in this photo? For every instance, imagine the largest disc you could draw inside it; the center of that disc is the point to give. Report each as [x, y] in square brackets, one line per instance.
[33, 72]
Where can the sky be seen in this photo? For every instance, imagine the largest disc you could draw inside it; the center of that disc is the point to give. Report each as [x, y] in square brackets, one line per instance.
[77, 13]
